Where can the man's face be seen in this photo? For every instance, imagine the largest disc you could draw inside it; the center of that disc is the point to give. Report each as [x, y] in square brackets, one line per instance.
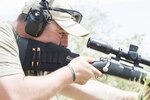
[55, 34]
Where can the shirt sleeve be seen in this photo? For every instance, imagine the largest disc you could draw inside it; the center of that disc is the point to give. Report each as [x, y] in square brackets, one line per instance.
[9, 53]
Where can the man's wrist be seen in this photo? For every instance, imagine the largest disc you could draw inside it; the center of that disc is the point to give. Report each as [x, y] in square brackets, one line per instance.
[72, 72]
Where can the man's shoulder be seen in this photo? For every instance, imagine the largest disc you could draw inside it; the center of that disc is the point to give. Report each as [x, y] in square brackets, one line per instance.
[6, 29]
[6, 25]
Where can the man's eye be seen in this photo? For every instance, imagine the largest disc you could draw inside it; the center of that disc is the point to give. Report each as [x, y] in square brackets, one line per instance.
[61, 33]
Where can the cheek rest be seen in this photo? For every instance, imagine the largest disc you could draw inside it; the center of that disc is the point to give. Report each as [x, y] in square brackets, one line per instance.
[40, 56]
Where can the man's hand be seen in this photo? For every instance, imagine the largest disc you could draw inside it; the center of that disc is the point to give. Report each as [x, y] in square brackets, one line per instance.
[83, 69]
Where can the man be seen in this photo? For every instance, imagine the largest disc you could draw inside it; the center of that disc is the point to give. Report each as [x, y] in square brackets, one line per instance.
[72, 81]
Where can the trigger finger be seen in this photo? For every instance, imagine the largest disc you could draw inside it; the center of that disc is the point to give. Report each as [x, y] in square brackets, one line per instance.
[96, 72]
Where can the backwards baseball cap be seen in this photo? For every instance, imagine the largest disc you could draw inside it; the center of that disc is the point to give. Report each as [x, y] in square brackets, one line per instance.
[64, 16]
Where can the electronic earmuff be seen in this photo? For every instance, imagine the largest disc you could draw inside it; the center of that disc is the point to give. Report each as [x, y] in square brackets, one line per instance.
[37, 19]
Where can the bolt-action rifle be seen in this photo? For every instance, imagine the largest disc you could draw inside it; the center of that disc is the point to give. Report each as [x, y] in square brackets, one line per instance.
[37, 56]
[125, 64]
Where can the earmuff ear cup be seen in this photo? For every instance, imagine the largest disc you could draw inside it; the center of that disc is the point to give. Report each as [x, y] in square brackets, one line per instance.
[36, 21]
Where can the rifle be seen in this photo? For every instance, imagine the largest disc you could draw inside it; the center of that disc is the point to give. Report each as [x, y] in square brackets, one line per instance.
[125, 64]
[37, 56]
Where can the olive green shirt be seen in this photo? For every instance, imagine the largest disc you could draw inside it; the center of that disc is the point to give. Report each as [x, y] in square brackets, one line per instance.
[9, 52]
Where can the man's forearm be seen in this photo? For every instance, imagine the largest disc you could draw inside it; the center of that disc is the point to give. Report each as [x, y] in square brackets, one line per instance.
[94, 90]
[34, 88]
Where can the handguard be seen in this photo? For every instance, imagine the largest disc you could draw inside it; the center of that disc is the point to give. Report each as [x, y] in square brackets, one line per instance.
[40, 56]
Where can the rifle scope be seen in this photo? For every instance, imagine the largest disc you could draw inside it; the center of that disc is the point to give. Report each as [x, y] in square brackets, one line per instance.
[131, 55]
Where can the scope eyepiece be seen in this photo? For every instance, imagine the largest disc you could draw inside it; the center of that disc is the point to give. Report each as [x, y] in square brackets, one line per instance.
[99, 45]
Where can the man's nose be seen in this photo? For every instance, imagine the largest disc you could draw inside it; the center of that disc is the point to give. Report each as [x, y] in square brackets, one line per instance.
[64, 42]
